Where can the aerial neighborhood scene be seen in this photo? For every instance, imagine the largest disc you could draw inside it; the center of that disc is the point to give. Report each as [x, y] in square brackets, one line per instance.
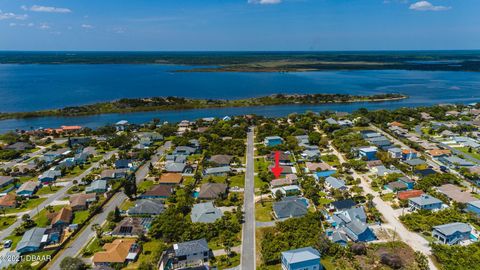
[240, 135]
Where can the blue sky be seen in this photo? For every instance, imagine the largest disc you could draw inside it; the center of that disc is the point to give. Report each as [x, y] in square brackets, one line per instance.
[197, 25]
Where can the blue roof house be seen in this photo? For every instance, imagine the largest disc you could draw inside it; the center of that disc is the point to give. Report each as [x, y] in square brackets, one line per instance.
[300, 259]
[49, 176]
[272, 141]
[424, 202]
[452, 233]
[98, 186]
[369, 153]
[474, 207]
[32, 240]
[335, 183]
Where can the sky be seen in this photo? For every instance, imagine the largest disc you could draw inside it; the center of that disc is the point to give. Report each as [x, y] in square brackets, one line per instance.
[239, 25]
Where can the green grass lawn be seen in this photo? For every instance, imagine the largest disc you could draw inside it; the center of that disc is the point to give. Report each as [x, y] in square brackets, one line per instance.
[75, 189]
[224, 262]
[27, 205]
[258, 182]
[25, 178]
[474, 153]
[151, 250]
[388, 197]
[76, 171]
[214, 179]
[237, 181]
[126, 205]
[144, 186]
[15, 239]
[5, 222]
[94, 246]
[331, 160]
[80, 217]
[263, 212]
[48, 190]
[261, 164]
[188, 180]
[6, 188]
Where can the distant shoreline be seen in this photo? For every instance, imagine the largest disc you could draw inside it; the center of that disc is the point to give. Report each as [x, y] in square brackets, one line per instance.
[179, 103]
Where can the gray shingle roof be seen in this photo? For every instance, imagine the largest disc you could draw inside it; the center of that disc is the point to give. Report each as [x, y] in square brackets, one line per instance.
[451, 228]
[289, 208]
[205, 213]
[32, 238]
[190, 247]
[425, 200]
[147, 207]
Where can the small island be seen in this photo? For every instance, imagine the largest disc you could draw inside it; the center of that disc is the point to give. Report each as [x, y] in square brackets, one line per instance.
[127, 105]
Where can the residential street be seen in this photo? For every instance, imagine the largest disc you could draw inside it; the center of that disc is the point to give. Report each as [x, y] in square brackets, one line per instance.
[414, 240]
[53, 197]
[248, 232]
[75, 247]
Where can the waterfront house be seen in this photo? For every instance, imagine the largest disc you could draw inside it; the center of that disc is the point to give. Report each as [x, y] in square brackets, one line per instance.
[27, 189]
[210, 191]
[19, 146]
[121, 125]
[290, 207]
[158, 192]
[146, 208]
[424, 202]
[190, 254]
[119, 251]
[271, 141]
[306, 258]
[32, 240]
[97, 186]
[452, 233]
[205, 213]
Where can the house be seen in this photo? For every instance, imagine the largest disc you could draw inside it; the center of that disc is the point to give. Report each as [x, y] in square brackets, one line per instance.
[209, 191]
[19, 146]
[79, 202]
[331, 121]
[368, 153]
[474, 207]
[121, 125]
[49, 176]
[285, 169]
[289, 179]
[396, 186]
[272, 141]
[306, 258]
[184, 150]
[395, 152]
[146, 208]
[302, 139]
[343, 204]
[221, 160]
[113, 174]
[290, 207]
[129, 226]
[205, 213]
[339, 237]
[8, 201]
[117, 252]
[455, 193]
[73, 141]
[415, 162]
[27, 189]
[335, 183]
[178, 167]
[317, 166]
[438, 153]
[217, 171]
[158, 192]
[383, 171]
[408, 154]
[283, 157]
[405, 195]
[62, 218]
[286, 191]
[32, 240]
[424, 202]
[5, 181]
[191, 254]
[171, 179]
[424, 172]
[97, 186]
[452, 233]
[311, 154]
[455, 162]
[353, 223]
[123, 164]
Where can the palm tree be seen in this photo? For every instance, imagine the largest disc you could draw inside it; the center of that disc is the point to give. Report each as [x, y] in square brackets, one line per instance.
[98, 230]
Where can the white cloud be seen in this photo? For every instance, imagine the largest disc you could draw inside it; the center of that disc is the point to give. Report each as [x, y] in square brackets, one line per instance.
[12, 16]
[87, 26]
[265, 2]
[427, 6]
[44, 26]
[36, 8]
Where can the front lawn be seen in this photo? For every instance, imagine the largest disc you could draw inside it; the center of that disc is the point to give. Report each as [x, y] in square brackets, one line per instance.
[263, 212]
[26, 205]
[5, 222]
[42, 219]
[48, 190]
[237, 181]
[151, 252]
[80, 217]
[144, 186]
[225, 262]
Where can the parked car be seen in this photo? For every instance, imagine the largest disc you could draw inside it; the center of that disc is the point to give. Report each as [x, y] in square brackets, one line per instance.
[7, 243]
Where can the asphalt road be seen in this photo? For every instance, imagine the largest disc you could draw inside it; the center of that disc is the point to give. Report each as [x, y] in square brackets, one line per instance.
[75, 247]
[56, 196]
[248, 232]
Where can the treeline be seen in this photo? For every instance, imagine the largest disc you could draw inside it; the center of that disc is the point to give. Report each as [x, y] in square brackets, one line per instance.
[181, 103]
